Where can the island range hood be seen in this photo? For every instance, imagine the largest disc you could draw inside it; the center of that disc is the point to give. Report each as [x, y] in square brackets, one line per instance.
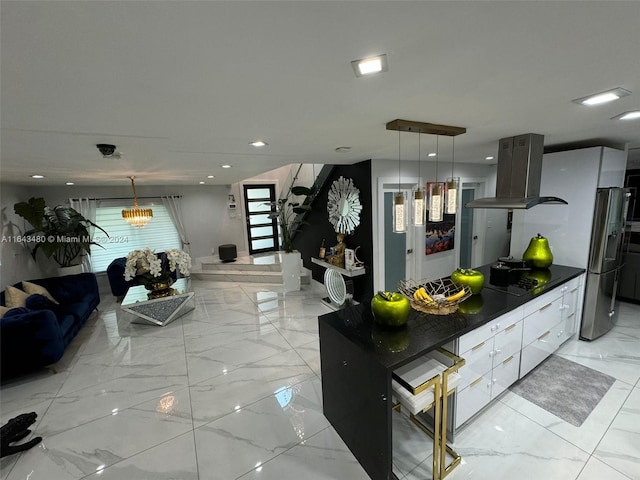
[519, 172]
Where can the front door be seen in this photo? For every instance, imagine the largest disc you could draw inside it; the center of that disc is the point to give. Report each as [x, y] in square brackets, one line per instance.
[262, 231]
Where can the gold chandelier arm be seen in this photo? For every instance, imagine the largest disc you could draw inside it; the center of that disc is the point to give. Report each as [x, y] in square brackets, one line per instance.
[135, 197]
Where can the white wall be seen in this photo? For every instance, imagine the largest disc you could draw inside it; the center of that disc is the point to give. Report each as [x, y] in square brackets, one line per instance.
[573, 176]
[205, 213]
[206, 216]
[16, 263]
[440, 264]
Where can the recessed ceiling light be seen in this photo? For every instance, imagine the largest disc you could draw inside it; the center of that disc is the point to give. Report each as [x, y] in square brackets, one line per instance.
[603, 97]
[632, 115]
[258, 143]
[201, 183]
[370, 65]
[225, 166]
[488, 158]
[432, 154]
[211, 176]
[69, 183]
[37, 176]
[343, 149]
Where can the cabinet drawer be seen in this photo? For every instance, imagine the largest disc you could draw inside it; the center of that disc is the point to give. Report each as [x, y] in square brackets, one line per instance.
[508, 342]
[474, 338]
[537, 303]
[470, 400]
[537, 351]
[478, 362]
[505, 374]
[545, 318]
[488, 330]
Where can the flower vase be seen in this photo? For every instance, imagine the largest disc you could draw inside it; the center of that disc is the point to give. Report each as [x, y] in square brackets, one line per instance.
[160, 287]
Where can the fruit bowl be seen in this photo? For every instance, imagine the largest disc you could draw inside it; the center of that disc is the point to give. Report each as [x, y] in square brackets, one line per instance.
[436, 297]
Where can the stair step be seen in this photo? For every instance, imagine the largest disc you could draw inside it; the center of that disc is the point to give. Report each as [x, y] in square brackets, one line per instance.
[244, 276]
[269, 264]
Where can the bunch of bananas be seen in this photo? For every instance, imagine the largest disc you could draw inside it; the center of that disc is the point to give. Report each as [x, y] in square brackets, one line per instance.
[421, 295]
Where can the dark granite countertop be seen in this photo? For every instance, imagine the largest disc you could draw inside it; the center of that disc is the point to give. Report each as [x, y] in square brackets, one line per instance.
[394, 348]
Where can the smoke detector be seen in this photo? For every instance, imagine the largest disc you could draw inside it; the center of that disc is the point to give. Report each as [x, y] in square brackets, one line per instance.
[108, 151]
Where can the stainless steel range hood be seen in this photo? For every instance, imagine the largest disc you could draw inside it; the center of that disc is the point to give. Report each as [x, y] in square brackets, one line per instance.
[519, 172]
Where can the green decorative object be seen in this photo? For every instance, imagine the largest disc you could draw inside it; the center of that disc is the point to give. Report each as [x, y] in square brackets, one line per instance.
[390, 309]
[472, 305]
[469, 278]
[538, 254]
[387, 340]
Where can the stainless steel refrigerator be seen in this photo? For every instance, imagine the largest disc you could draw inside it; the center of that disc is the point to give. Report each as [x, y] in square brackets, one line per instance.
[606, 257]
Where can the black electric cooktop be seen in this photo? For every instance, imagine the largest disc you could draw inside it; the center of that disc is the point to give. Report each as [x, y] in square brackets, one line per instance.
[520, 287]
[517, 286]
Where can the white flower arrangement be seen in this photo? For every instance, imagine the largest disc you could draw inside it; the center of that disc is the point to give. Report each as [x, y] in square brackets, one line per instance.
[145, 262]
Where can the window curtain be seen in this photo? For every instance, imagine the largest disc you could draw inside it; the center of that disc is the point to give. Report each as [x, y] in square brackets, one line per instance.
[87, 208]
[173, 204]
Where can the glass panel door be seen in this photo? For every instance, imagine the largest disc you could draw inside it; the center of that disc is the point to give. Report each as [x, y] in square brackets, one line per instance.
[262, 231]
[395, 247]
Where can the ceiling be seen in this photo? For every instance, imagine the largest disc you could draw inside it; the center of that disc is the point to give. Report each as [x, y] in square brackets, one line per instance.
[181, 88]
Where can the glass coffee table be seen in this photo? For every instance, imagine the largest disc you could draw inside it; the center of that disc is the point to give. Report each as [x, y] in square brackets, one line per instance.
[159, 311]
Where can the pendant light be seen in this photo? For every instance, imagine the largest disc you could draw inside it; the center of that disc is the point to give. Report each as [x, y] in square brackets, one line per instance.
[453, 185]
[436, 193]
[418, 211]
[399, 210]
[136, 216]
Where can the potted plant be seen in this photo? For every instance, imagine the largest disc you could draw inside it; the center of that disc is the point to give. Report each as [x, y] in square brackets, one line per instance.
[286, 210]
[60, 232]
[154, 271]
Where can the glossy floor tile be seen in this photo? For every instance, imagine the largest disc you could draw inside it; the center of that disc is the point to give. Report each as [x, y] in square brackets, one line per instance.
[232, 390]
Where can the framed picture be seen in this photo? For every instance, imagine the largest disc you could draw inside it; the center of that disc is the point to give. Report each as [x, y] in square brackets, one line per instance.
[440, 236]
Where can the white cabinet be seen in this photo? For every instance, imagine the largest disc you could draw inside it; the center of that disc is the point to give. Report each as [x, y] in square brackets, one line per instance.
[572, 306]
[500, 352]
[549, 321]
[492, 356]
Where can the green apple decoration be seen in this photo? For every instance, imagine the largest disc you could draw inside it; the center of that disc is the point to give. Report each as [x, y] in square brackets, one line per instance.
[472, 305]
[387, 340]
[466, 277]
[390, 309]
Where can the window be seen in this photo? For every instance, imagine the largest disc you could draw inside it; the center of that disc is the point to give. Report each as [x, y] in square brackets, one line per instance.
[159, 234]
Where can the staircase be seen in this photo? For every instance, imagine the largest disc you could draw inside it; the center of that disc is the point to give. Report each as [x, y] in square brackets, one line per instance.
[263, 268]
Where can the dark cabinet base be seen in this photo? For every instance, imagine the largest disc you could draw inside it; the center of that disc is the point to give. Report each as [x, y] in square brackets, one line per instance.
[355, 400]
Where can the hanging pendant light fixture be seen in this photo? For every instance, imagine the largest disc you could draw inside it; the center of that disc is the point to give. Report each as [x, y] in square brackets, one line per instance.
[399, 210]
[418, 216]
[436, 193]
[453, 185]
[136, 216]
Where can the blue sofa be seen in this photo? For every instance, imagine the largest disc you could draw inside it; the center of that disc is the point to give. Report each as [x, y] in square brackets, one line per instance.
[35, 336]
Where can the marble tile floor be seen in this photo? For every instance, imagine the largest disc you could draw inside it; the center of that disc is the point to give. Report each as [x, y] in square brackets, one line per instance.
[232, 390]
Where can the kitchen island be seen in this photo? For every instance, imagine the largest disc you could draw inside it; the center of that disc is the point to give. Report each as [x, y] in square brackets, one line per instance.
[358, 357]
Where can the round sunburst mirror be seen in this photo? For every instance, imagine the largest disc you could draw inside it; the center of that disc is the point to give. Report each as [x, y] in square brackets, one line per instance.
[344, 206]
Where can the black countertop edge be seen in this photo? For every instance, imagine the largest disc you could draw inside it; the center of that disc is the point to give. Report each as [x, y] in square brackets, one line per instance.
[395, 347]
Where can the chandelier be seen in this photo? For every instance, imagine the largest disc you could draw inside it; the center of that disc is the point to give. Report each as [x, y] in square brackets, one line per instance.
[136, 216]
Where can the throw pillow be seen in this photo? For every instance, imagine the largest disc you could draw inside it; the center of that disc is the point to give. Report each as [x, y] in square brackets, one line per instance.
[32, 288]
[14, 297]
[3, 310]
